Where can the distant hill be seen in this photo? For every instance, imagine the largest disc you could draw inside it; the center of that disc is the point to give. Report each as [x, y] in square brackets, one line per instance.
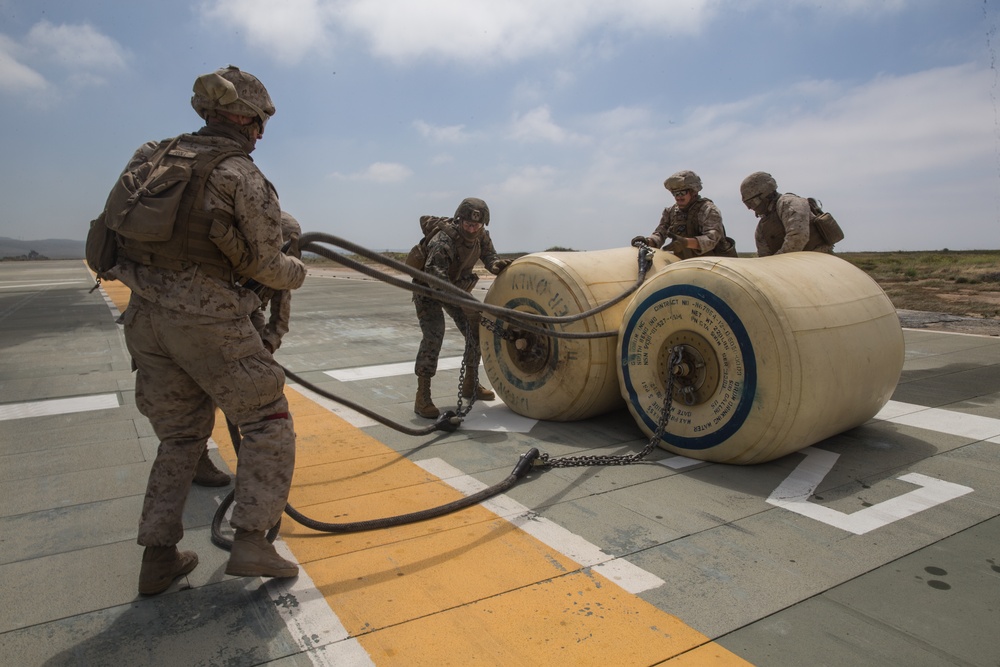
[47, 248]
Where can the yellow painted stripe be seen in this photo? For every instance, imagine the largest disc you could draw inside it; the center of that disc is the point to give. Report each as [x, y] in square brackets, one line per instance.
[468, 588]
[469, 585]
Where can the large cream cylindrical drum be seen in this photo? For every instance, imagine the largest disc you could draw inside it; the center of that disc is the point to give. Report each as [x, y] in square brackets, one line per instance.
[775, 354]
[560, 379]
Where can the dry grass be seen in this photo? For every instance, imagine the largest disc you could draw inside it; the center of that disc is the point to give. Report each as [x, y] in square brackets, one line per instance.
[955, 282]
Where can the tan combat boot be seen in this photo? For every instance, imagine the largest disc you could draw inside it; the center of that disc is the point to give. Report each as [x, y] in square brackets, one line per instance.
[208, 475]
[161, 565]
[423, 405]
[254, 556]
[469, 385]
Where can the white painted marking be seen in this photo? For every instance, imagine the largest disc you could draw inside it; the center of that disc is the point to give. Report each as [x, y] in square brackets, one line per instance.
[495, 416]
[58, 406]
[388, 370]
[893, 409]
[311, 623]
[679, 462]
[793, 495]
[948, 333]
[352, 417]
[951, 422]
[52, 284]
[115, 313]
[630, 577]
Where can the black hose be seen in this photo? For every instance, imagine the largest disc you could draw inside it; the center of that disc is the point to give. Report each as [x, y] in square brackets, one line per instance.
[524, 464]
[433, 287]
[448, 421]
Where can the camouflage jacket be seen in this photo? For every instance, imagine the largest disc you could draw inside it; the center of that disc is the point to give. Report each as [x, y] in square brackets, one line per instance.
[785, 228]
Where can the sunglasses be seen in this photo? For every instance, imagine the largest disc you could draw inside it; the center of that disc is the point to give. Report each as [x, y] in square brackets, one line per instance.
[680, 193]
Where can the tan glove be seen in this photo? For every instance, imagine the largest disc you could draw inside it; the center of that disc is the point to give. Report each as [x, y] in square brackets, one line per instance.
[498, 266]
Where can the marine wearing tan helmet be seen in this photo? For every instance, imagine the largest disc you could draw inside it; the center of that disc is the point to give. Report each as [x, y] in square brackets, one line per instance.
[756, 190]
[683, 180]
[229, 92]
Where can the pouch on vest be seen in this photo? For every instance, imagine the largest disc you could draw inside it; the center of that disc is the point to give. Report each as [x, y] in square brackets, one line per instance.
[825, 223]
[143, 204]
[101, 249]
[429, 225]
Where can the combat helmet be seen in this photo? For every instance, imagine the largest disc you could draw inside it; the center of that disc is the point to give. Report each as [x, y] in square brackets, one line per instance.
[683, 180]
[758, 184]
[473, 209]
[232, 90]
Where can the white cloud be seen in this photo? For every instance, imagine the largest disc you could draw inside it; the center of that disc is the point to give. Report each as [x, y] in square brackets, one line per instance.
[80, 50]
[486, 32]
[537, 125]
[14, 75]
[451, 134]
[290, 29]
[483, 31]
[75, 47]
[379, 172]
[529, 180]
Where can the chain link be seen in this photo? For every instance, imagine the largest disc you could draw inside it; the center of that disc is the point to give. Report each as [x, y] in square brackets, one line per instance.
[460, 409]
[544, 461]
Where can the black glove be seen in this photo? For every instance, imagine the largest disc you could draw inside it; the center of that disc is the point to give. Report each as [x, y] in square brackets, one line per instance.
[644, 240]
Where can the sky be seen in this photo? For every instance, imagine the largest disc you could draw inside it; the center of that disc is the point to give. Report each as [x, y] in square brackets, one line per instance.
[566, 116]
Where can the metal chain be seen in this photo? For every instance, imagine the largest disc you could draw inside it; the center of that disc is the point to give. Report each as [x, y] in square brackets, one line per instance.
[496, 328]
[544, 461]
[466, 364]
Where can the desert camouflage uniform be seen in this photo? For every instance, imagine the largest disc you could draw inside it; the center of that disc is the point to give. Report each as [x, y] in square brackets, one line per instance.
[785, 228]
[702, 221]
[195, 348]
[451, 257]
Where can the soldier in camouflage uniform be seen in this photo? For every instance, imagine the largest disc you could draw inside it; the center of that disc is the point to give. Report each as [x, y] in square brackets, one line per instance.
[451, 253]
[694, 223]
[784, 218]
[189, 332]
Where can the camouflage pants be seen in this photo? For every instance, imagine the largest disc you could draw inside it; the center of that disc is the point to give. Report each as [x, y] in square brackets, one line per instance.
[188, 365]
[430, 313]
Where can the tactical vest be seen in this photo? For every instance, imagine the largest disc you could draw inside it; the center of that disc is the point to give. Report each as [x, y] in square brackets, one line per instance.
[468, 253]
[189, 243]
[687, 223]
[773, 232]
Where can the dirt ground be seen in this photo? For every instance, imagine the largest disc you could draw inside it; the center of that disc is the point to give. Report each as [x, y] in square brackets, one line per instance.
[919, 319]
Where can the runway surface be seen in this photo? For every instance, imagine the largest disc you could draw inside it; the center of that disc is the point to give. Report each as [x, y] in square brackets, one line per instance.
[877, 546]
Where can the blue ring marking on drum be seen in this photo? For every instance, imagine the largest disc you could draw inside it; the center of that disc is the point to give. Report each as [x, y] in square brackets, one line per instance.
[739, 416]
[505, 369]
